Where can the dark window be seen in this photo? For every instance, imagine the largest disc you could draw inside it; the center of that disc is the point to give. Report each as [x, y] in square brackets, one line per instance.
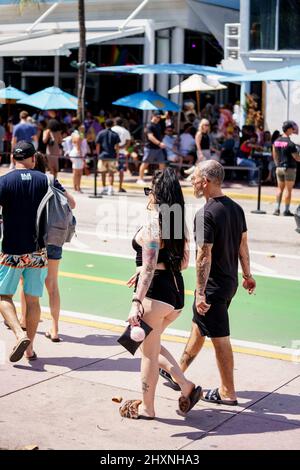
[289, 24]
[262, 24]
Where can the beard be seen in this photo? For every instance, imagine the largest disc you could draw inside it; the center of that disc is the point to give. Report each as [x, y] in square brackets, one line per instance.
[198, 194]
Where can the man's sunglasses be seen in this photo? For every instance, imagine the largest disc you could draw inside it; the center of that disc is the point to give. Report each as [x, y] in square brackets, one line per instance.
[147, 191]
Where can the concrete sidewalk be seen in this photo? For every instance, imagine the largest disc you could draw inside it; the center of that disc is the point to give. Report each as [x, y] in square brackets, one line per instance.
[64, 399]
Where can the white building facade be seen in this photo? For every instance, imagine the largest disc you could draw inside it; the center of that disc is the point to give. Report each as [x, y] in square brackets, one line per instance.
[38, 44]
[267, 37]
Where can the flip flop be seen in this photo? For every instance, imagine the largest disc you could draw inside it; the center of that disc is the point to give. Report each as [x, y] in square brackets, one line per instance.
[130, 409]
[54, 340]
[32, 358]
[187, 403]
[170, 382]
[19, 349]
[213, 396]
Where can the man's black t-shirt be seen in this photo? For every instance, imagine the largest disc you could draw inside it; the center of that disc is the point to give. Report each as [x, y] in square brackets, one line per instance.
[107, 139]
[284, 149]
[221, 222]
[21, 192]
[154, 129]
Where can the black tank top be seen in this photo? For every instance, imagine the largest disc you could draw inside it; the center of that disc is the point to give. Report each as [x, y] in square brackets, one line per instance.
[163, 256]
[205, 142]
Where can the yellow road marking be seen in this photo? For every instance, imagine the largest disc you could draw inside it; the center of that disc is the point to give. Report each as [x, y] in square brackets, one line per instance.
[187, 191]
[176, 339]
[102, 280]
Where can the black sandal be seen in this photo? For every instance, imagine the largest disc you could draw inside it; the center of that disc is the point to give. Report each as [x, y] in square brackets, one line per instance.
[187, 403]
[213, 396]
[170, 382]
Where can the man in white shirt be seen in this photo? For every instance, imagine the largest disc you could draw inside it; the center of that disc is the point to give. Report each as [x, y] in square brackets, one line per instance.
[125, 139]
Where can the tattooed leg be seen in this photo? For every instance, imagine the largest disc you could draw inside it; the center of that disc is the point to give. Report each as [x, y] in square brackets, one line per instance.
[192, 349]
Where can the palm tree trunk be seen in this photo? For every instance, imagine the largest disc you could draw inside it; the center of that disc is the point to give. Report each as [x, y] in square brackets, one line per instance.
[81, 60]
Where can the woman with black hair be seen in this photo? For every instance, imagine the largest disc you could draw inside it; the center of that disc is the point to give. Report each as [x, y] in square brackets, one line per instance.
[161, 253]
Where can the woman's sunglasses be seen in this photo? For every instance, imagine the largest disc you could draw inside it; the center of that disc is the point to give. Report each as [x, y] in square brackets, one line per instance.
[147, 191]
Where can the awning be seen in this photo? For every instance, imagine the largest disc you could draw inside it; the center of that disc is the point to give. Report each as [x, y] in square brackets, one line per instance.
[291, 73]
[57, 43]
[233, 4]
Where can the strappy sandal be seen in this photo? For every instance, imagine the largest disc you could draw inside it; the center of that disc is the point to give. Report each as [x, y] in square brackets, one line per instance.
[213, 396]
[187, 403]
[130, 409]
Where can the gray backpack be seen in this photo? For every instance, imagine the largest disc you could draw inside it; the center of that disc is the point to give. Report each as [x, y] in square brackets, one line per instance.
[59, 220]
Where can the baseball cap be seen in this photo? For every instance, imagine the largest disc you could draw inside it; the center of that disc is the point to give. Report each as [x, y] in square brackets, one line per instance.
[288, 125]
[24, 150]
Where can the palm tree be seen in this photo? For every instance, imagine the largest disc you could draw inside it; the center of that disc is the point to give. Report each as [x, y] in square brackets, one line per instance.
[81, 60]
[24, 3]
[81, 53]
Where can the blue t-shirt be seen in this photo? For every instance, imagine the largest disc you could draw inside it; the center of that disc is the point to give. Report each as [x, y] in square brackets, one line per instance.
[107, 139]
[24, 131]
[21, 192]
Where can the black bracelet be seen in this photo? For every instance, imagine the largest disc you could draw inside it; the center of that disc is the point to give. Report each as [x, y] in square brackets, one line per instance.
[139, 302]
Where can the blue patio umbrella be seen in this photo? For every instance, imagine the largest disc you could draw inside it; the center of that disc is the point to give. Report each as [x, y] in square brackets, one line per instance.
[11, 93]
[282, 74]
[147, 100]
[169, 69]
[51, 98]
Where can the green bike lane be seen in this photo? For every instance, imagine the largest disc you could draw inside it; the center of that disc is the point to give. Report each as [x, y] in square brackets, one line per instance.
[94, 284]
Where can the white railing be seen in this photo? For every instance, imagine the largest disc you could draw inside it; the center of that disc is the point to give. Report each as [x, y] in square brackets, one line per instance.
[232, 41]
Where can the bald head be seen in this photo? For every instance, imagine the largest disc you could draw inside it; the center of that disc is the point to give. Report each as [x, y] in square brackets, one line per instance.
[212, 170]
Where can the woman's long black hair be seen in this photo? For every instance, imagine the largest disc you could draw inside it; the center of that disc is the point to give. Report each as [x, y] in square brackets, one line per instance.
[167, 192]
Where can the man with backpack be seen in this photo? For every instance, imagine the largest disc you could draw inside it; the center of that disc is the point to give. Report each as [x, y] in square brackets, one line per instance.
[23, 251]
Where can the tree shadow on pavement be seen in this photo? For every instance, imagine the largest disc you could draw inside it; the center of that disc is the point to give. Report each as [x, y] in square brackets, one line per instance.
[88, 340]
[85, 364]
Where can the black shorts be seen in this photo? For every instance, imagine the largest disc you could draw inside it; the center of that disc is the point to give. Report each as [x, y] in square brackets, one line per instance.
[215, 323]
[168, 288]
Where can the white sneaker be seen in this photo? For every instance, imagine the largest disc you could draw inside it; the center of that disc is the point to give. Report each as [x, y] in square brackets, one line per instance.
[253, 183]
[104, 190]
[141, 182]
[110, 191]
[189, 171]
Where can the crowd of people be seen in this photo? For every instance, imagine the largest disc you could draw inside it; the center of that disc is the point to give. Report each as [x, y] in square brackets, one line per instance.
[116, 144]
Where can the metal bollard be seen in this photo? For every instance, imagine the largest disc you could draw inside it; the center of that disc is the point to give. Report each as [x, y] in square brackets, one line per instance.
[258, 210]
[95, 195]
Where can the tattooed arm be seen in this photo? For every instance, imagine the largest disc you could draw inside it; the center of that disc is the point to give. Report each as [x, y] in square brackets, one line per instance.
[151, 243]
[203, 264]
[244, 257]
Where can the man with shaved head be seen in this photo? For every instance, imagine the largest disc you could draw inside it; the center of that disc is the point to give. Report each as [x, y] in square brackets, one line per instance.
[221, 240]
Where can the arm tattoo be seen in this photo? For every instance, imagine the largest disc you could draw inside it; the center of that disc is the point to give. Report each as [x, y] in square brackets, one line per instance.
[203, 265]
[244, 257]
[151, 243]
